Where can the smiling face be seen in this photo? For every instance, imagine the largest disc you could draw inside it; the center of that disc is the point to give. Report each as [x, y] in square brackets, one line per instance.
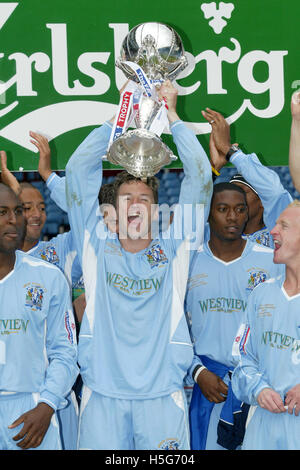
[134, 206]
[12, 222]
[228, 215]
[34, 212]
[286, 236]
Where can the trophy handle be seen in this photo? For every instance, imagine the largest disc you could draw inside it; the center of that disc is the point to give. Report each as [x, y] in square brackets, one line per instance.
[183, 64]
[128, 72]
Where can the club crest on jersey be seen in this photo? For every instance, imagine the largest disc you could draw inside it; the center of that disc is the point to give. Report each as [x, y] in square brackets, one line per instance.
[156, 256]
[49, 254]
[169, 444]
[263, 238]
[255, 278]
[34, 297]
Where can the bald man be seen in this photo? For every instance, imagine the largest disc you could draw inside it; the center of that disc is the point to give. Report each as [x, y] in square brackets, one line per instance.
[267, 376]
[38, 350]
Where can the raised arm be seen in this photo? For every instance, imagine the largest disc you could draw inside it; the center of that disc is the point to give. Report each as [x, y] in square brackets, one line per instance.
[266, 182]
[294, 153]
[83, 181]
[196, 186]
[56, 184]
[7, 177]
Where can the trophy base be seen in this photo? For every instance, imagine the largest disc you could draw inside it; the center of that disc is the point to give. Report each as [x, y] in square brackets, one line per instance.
[140, 152]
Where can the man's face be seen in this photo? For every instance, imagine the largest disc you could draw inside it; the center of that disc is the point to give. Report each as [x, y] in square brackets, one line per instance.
[34, 212]
[134, 210]
[228, 215]
[12, 222]
[286, 236]
[253, 201]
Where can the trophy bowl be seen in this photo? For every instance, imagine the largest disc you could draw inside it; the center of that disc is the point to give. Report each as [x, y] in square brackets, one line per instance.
[140, 152]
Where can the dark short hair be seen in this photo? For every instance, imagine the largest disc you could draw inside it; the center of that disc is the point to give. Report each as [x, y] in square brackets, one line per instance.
[220, 187]
[124, 177]
[106, 194]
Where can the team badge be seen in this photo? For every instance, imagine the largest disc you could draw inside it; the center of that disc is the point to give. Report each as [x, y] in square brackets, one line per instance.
[255, 278]
[34, 297]
[49, 254]
[169, 444]
[156, 256]
[262, 237]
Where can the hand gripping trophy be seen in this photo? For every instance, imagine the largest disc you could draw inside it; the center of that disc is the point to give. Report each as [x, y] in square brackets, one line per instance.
[151, 53]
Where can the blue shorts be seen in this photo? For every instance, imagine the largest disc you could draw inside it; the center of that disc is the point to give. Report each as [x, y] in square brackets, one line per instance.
[11, 408]
[115, 424]
[271, 431]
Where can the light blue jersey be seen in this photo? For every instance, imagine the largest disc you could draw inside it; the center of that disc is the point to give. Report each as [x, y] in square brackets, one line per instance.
[272, 194]
[57, 187]
[134, 341]
[217, 294]
[216, 299]
[63, 245]
[269, 347]
[38, 339]
[262, 237]
[60, 251]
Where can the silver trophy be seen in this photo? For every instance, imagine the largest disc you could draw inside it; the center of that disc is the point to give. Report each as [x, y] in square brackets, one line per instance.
[157, 49]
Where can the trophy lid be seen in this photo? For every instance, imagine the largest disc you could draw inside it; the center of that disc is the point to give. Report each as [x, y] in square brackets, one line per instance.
[157, 48]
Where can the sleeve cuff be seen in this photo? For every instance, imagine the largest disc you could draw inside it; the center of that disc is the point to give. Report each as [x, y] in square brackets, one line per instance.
[108, 123]
[175, 124]
[197, 371]
[52, 181]
[52, 400]
[235, 155]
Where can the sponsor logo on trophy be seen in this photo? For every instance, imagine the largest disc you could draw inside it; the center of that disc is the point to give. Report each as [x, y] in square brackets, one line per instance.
[150, 54]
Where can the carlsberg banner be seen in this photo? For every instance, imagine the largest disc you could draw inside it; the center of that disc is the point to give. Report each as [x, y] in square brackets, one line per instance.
[58, 74]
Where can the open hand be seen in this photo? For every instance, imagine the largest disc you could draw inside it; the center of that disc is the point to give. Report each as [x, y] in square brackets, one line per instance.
[220, 130]
[36, 423]
[42, 144]
[7, 177]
